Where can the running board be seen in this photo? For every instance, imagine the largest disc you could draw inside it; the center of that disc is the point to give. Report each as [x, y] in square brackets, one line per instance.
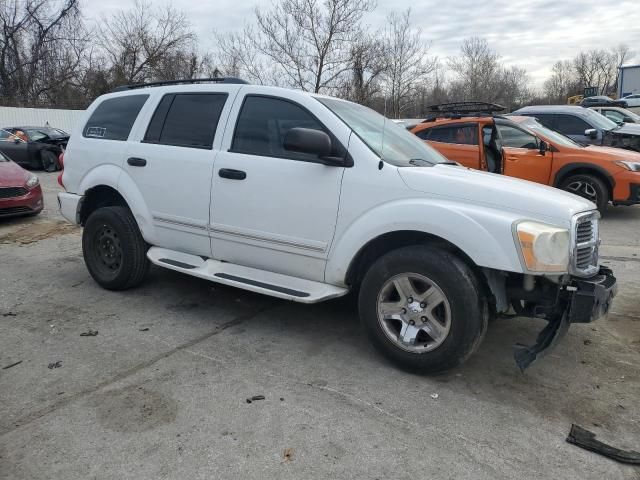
[260, 281]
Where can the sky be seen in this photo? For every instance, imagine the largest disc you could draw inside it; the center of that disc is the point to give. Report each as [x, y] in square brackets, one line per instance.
[529, 33]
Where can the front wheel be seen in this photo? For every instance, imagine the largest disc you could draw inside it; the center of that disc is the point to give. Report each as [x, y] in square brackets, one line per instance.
[423, 309]
[590, 187]
[113, 248]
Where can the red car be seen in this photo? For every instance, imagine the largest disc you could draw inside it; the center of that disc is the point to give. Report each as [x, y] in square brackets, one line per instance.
[20, 192]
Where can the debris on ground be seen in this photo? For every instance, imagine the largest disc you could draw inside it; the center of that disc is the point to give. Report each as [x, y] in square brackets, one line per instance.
[434, 396]
[89, 333]
[587, 342]
[53, 365]
[10, 314]
[255, 397]
[585, 439]
[12, 365]
[146, 329]
[287, 455]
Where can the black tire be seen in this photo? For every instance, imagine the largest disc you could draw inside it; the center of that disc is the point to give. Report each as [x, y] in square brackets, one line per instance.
[49, 161]
[590, 187]
[467, 305]
[113, 248]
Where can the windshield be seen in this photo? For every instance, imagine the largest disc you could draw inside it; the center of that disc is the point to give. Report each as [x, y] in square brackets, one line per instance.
[599, 120]
[388, 140]
[36, 134]
[551, 135]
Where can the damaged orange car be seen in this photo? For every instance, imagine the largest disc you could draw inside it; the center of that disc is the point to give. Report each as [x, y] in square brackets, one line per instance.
[471, 134]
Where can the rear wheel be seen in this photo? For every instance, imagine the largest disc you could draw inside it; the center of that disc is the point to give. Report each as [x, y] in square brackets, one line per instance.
[114, 251]
[423, 309]
[588, 186]
[49, 161]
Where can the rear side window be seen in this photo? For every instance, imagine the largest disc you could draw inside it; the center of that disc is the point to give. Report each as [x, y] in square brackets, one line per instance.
[457, 134]
[113, 118]
[570, 125]
[263, 123]
[186, 120]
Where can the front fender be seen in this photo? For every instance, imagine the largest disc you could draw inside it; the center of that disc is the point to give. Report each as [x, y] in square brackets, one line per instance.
[483, 234]
[114, 177]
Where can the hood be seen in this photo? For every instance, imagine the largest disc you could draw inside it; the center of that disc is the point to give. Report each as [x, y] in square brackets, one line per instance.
[628, 129]
[497, 191]
[613, 154]
[12, 175]
[625, 136]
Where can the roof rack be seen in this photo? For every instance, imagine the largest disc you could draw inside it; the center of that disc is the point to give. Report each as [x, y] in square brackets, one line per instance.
[467, 107]
[457, 110]
[123, 88]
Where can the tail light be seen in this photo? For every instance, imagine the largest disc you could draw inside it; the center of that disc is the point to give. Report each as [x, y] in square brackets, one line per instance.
[61, 161]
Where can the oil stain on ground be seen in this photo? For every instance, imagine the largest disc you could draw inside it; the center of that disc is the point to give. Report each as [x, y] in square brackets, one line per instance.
[134, 409]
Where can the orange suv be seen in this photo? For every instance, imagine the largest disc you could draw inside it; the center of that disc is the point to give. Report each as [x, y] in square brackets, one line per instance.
[471, 134]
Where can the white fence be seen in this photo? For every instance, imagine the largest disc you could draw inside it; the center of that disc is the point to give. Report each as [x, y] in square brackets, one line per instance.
[39, 117]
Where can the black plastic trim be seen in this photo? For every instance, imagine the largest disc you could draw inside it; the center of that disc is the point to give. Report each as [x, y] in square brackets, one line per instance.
[255, 283]
[176, 263]
[567, 169]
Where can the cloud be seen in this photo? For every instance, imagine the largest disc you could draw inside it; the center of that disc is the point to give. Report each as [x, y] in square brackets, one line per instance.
[529, 33]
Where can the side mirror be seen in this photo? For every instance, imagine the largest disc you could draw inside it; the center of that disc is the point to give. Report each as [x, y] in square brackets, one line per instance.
[592, 133]
[307, 140]
[544, 147]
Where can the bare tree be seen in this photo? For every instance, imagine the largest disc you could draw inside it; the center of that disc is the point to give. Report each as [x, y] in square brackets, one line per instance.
[310, 41]
[367, 65]
[137, 43]
[477, 70]
[562, 83]
[407, 62]
[238, 55]
[41, 44]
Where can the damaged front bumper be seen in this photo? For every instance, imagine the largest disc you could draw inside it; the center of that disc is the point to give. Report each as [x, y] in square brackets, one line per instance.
[582, 300]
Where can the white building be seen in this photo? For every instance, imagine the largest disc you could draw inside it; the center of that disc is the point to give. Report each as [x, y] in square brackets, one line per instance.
[22, 117]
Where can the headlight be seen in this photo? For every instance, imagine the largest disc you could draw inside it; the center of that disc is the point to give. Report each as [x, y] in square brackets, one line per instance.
[633, 166]
[32, 181]
[544, 248]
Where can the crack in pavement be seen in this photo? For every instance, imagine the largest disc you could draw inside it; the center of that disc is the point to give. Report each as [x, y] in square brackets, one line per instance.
[620, 259]
[31, 417]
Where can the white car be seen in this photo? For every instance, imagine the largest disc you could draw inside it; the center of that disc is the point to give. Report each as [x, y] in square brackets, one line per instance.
[307, 197]
[632, 100]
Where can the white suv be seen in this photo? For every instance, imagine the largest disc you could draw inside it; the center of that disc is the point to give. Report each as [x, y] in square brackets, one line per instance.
[307, 197]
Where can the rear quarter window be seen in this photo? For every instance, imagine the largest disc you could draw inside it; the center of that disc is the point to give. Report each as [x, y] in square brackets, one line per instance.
[114, 118]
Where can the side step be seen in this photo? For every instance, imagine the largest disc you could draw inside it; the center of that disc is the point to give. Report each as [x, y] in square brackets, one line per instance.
[260, 281]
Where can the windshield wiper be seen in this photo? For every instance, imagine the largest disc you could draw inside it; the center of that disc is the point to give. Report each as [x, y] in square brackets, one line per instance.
[416, 162]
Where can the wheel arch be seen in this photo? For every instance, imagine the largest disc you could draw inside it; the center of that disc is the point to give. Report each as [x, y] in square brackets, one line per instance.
[585, 169]
[109, 186]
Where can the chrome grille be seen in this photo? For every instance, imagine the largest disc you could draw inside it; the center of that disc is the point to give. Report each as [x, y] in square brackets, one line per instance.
[584, 257]
[11, 192]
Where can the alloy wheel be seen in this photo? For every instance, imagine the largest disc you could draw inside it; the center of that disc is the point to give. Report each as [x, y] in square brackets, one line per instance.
[414, 313]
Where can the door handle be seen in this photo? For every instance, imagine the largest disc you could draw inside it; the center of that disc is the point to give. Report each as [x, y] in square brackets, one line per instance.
[232, 174]
[136, 162]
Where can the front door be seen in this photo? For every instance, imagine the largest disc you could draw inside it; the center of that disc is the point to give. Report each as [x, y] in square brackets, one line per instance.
[172, 165]
[271, 208]
[522, 157]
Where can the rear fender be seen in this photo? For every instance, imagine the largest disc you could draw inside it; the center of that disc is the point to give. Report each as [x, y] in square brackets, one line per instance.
[113, 176]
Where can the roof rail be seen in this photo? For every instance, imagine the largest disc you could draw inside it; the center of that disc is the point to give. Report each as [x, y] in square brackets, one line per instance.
[123, 88]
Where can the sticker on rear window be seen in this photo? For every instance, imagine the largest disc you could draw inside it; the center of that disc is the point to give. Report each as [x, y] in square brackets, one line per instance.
[97, 132]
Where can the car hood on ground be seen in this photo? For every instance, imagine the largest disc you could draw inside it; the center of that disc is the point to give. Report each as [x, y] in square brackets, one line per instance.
[497, 191]
[12, 175]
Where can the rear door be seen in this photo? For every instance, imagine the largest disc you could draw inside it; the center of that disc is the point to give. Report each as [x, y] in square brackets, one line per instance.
[522, 157]
[457, 142]
[171, 163]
